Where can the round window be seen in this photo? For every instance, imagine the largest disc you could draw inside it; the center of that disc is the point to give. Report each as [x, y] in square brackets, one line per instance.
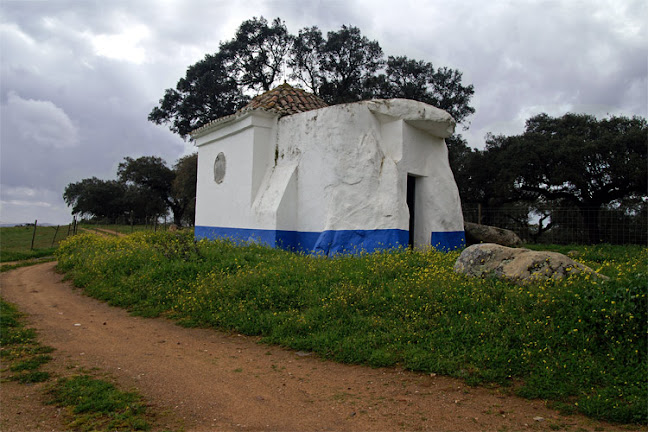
[219, 168]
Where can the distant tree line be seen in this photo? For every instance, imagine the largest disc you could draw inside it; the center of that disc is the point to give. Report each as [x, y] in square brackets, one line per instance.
[145, 188]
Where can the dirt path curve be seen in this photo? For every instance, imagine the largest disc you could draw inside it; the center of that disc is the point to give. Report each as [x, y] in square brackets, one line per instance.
[103, 232]
[209, 381]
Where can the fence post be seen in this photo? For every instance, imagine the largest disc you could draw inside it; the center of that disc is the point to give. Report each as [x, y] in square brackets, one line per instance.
[55, 232]
[34, 235]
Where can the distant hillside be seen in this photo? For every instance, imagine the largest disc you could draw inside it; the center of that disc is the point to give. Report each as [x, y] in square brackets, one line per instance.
[10, 224]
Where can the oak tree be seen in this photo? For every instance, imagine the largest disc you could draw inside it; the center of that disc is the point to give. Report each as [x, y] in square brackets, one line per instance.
[576, 160]
[208, 91]
[96, 198]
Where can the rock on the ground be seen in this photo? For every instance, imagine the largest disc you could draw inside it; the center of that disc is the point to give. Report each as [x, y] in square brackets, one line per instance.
[476, 233]
[518, 264]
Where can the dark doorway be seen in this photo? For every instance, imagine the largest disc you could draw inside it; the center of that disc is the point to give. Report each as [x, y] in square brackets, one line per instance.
[411, 193]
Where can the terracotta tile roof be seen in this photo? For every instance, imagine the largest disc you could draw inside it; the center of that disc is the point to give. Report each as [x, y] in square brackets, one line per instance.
[283, 100]
[286, 100]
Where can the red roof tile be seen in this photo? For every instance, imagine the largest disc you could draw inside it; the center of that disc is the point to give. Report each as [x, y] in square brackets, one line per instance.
[286, 100]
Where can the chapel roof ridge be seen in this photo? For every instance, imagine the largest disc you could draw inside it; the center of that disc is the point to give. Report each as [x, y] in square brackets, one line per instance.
[285, 100]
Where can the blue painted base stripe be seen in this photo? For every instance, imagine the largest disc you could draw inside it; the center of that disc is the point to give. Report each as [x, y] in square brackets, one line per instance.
[448, 240]
[326, 243]
[330, 242]
[356, 241]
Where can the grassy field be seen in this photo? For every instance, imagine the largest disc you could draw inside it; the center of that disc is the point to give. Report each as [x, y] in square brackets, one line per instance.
[15, 242]
[124, 229]
[579, 343]
[91, 404]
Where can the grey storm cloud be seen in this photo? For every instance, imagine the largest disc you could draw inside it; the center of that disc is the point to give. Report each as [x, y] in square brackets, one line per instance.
[39, 123]
[78, 78]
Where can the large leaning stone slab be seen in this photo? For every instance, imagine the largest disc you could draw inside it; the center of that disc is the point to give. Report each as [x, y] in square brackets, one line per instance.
[517, 264]
[476, 233]
[433, 120]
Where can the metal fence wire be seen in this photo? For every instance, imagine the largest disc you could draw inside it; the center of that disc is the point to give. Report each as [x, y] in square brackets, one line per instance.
[565, 225]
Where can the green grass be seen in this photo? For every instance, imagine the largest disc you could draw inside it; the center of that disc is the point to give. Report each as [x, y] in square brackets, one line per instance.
[580, 342]
[97, 405]
[15, 242]
[22, 355]
[30, 364]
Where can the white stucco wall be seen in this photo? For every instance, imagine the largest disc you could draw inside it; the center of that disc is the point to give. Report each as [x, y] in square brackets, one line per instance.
[343, 174]
[247, 142]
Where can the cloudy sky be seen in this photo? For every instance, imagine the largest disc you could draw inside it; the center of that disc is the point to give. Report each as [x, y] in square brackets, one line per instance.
[79, 77]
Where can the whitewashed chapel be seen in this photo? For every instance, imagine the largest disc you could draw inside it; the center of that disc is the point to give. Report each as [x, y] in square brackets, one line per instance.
[289, 171]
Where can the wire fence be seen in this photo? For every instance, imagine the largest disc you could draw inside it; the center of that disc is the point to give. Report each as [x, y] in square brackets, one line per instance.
[566, 225]
[30, 240]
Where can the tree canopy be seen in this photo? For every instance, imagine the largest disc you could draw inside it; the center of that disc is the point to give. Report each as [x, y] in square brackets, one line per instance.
[343, 66]
[208, 91]
[145, 188]
[256, 55]
[419, 80]
[575, 160]
[97, 198]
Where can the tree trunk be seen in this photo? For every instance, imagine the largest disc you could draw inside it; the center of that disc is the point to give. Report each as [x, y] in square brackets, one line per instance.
[591, 221]
[177, 212]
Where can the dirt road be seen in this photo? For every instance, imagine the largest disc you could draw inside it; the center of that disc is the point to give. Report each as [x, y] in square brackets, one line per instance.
[103, 232]
[206, 380]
